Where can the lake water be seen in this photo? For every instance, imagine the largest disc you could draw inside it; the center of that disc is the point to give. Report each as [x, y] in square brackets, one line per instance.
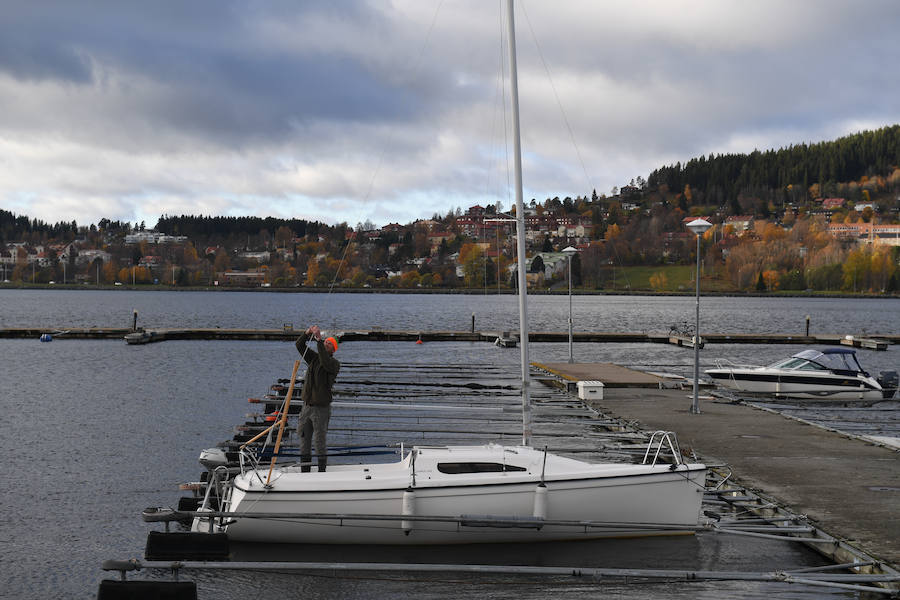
[98, 430]
[85, 308]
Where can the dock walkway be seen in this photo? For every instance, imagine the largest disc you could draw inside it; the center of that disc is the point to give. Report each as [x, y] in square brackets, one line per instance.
[850, 488]
[154, 334]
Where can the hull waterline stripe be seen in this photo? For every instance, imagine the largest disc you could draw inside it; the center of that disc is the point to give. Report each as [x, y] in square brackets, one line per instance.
[472, 486]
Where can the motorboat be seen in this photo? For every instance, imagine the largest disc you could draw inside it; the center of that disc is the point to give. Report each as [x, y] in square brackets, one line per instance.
[828, 374]
[457, 494]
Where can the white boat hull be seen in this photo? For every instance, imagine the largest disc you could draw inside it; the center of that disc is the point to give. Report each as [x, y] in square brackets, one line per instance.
[825, 386]
[634, 500]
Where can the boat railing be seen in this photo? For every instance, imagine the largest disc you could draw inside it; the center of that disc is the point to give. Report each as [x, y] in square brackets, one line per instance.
[248, 460]
[661, 441]
[724, 363]
[215, 492]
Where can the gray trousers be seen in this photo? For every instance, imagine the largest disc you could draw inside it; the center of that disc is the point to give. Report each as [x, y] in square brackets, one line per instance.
[313, 426]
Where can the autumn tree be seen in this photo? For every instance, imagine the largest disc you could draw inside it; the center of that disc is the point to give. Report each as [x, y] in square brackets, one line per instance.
[109, 272]
[283, 236]
[659, 281]
[884, 269]
[770, 278]
[410, 279]
[312, 271]
[857, 269]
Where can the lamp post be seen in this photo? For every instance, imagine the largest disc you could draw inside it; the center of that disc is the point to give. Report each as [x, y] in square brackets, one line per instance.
[699, 227]
[570, 252]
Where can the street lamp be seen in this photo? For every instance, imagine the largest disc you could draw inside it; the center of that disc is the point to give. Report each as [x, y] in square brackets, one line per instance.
[570, 252]
[699, 227]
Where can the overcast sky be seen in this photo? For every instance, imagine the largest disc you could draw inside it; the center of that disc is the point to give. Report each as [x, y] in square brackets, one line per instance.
[347, 110]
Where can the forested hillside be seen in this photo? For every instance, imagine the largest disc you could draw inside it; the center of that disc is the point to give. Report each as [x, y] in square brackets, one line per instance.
[787, 174]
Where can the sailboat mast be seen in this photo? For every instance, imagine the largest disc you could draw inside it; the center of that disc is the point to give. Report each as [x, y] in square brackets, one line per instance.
[520, 225]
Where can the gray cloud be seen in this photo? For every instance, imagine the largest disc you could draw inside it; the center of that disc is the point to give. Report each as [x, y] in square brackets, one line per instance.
[353, 109]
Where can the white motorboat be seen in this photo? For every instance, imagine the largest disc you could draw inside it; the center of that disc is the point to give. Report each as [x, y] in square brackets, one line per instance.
[443, 495]
[829, 374]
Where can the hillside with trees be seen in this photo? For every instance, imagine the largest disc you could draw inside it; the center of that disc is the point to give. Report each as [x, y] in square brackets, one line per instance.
[821, 217]
[757, 182]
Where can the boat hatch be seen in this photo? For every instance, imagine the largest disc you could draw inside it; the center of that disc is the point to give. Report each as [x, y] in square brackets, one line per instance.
[457, 468]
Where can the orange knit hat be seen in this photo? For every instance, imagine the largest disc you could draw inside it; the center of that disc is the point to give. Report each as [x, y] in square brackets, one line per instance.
[333, 342]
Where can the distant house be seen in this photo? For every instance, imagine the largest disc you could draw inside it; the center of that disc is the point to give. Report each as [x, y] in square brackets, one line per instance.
[867, 233]
[740, 223]
[832, 203]
[150, 261]
[154, 237]
[555, 263]
[435, 239]
[260, 257]
[243, 278]
[88, 256]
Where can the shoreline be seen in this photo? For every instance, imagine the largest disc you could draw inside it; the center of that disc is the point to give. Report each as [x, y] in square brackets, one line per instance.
[446, 291]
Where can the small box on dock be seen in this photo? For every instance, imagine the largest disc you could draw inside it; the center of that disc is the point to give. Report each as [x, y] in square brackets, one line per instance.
[590, 390]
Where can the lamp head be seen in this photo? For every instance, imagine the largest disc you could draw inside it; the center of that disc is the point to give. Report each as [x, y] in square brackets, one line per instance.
[699, 226]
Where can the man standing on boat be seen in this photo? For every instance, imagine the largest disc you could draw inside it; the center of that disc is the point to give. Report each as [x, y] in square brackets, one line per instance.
[316, 394]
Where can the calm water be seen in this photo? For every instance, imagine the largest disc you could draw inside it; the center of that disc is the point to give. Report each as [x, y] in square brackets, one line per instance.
[97, 430]
[86, 308]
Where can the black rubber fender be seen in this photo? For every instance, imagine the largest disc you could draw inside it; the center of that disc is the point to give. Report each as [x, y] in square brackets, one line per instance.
[186, 546]
[111, 589]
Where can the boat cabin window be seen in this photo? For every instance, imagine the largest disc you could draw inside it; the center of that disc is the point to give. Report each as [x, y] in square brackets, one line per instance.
[811, 366]
[797, 363]
[838, 360]
[457, 468]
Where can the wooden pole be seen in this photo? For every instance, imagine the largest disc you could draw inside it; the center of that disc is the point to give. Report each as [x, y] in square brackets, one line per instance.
[283, 421]
[260, 434]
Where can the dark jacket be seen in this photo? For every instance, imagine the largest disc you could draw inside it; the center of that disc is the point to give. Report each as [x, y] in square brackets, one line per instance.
[320, 375]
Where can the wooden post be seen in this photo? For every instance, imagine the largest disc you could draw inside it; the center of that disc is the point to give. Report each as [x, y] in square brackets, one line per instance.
[283, 421]
[260, 434]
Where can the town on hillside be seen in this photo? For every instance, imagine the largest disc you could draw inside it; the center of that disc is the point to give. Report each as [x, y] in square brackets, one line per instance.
[767, 236]
[830, 245]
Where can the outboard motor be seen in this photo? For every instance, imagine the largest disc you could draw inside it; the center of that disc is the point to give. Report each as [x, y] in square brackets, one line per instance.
[888, 381]
[212, 458]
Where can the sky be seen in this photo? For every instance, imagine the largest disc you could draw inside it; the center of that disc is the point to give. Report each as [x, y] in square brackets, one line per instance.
[391, 111]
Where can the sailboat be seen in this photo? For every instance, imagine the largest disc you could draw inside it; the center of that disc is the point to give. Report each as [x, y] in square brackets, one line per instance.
[460, 494]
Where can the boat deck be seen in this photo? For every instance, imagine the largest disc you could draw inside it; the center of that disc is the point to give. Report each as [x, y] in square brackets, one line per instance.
[846, 486]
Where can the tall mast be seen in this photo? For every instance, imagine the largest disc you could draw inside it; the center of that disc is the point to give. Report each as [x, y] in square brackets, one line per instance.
[520, 225]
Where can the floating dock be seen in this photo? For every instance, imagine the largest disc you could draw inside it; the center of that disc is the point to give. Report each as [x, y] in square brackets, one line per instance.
[150, 335]
[843, 484]
[776, 478]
